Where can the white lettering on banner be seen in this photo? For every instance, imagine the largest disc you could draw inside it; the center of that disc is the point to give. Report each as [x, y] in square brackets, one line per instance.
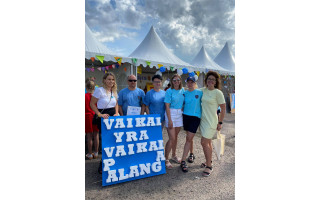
[109, 151]
[143, 135]
[153, 146]
[140, 122]
[107, 163]
[131, 135]
[118, 136]
[129, 125]
[160, 142]
[134, 171]
[144, 169]
[108, 125]
[158, 121]
[130, 146]
[119, 123]
[160, 156]
[141, 147]
[120, 150]
[150, 121]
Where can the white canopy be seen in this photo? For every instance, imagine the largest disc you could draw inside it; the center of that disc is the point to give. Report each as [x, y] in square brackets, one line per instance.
[94, 47]
[203, 60]
[153, 49]
[225, 58]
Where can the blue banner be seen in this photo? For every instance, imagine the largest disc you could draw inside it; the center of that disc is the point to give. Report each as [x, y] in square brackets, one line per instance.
[132, 148]
[233, 104]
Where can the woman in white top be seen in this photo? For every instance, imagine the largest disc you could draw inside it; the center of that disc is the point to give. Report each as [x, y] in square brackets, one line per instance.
[106, 99]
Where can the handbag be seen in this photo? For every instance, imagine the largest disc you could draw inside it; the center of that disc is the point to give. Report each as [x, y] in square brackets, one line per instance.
[96, 118]
[219, 144]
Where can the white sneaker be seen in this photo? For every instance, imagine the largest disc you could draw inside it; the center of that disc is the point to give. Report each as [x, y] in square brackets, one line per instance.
[89, 156]
[95, 155]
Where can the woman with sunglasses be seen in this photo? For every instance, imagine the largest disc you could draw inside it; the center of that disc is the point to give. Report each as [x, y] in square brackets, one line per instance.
[210, 123]
[174, 99]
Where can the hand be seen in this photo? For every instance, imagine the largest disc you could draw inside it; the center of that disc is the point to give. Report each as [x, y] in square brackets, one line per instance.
[219, 127]
[105, 116]
[117, 114]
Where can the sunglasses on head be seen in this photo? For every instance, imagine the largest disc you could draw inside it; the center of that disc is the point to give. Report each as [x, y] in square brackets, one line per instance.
[132, 80]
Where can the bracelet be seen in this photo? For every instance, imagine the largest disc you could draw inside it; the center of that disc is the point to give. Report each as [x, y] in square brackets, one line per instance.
[99, 115]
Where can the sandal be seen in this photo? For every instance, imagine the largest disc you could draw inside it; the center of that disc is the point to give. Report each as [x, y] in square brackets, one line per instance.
[184, 166]
[176, 159]
[191, 158]
[206, 174]
[168, 164]
[95, 155]
[203, 165]
[89, 156]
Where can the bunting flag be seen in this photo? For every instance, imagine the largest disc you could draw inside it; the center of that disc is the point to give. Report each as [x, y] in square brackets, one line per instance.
[171, 68]
[198, 73]
[92, 59]
[92, 69]
[88, 69]
[148, 63]
[118, 59]
[103, 68]
[117, 65]
[139, 70]
[100, 58]
[107, 67]
[134, 60]
[125, 69]
[159, 65]
[99, 68]
[113, 66]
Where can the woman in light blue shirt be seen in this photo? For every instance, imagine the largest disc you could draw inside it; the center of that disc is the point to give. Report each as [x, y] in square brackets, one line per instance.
[173, 117]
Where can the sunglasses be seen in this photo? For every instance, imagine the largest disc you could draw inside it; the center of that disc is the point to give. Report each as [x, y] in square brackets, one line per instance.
[132, 80]
[175, 80]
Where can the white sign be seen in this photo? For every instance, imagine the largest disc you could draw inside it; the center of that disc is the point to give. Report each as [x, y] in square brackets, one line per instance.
[133, 110]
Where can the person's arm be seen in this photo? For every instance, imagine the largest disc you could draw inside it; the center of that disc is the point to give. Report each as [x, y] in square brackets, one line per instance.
[143, 108]
[120, 110]
[117, 110]
[93, 106]
[170, 123]
[221, 117]
[147, 110]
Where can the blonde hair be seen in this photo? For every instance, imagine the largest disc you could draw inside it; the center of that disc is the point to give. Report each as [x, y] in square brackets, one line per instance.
[90, 85]
[114, 87]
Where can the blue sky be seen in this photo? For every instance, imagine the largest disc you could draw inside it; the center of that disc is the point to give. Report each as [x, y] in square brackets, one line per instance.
[183, 25]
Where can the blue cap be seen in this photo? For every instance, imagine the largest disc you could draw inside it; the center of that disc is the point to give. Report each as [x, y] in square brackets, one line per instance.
[191, 78]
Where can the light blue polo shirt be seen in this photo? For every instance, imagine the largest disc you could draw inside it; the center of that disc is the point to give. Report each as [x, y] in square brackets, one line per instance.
[175, 98]
[192, 103]
[130, 98]
[155, 101]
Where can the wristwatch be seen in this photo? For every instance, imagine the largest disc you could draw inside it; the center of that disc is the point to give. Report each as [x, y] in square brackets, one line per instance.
[220, 123]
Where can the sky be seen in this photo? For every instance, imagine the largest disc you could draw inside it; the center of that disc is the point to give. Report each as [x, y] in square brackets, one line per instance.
[183, 25]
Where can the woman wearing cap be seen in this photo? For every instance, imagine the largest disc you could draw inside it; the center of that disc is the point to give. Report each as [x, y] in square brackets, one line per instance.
[173, 117]
[209, 125]
[191, 118]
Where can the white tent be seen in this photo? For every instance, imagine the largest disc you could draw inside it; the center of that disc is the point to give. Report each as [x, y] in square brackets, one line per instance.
[203, 60]
[225, 58]
[94, 48]
[152, 49]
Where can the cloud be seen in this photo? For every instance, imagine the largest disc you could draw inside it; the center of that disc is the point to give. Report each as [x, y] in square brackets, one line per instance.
[183, 25]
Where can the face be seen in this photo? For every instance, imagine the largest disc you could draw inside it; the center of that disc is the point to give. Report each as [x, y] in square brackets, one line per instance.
[176, 81]
[132, 81]
[109, 81]
[157, 83]
[190, 84]
[211, 81]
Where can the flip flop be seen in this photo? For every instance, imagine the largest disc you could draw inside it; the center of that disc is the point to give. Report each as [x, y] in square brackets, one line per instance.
[168, 164]
[206, 174]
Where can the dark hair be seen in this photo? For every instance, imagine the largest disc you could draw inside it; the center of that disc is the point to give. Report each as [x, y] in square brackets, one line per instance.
[217, 76]
[176, 75]
[157, 76]
[90, 85]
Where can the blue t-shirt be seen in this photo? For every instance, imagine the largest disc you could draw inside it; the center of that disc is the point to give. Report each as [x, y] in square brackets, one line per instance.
[175, 98]
[130, 98]
[155, 101]
[192, 103]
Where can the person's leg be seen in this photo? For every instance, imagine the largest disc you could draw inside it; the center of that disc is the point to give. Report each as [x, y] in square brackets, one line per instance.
[169, 144]
[188, 144]
[89, 143]
[174, 144]
[96, 143]
[207, 150]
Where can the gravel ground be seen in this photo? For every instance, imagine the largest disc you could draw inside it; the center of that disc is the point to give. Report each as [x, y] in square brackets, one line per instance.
[175, 184]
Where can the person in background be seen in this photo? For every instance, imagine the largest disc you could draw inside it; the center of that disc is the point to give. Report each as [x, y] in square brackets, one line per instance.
[174, 99]
[91, 130]
[169, 85]
[191, 119]
[131, 96]
[210, 124]
[154, 99]
[91, 78]
[105, 98]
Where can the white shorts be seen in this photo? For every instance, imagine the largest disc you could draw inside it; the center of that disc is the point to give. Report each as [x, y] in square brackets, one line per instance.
[176, 117]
